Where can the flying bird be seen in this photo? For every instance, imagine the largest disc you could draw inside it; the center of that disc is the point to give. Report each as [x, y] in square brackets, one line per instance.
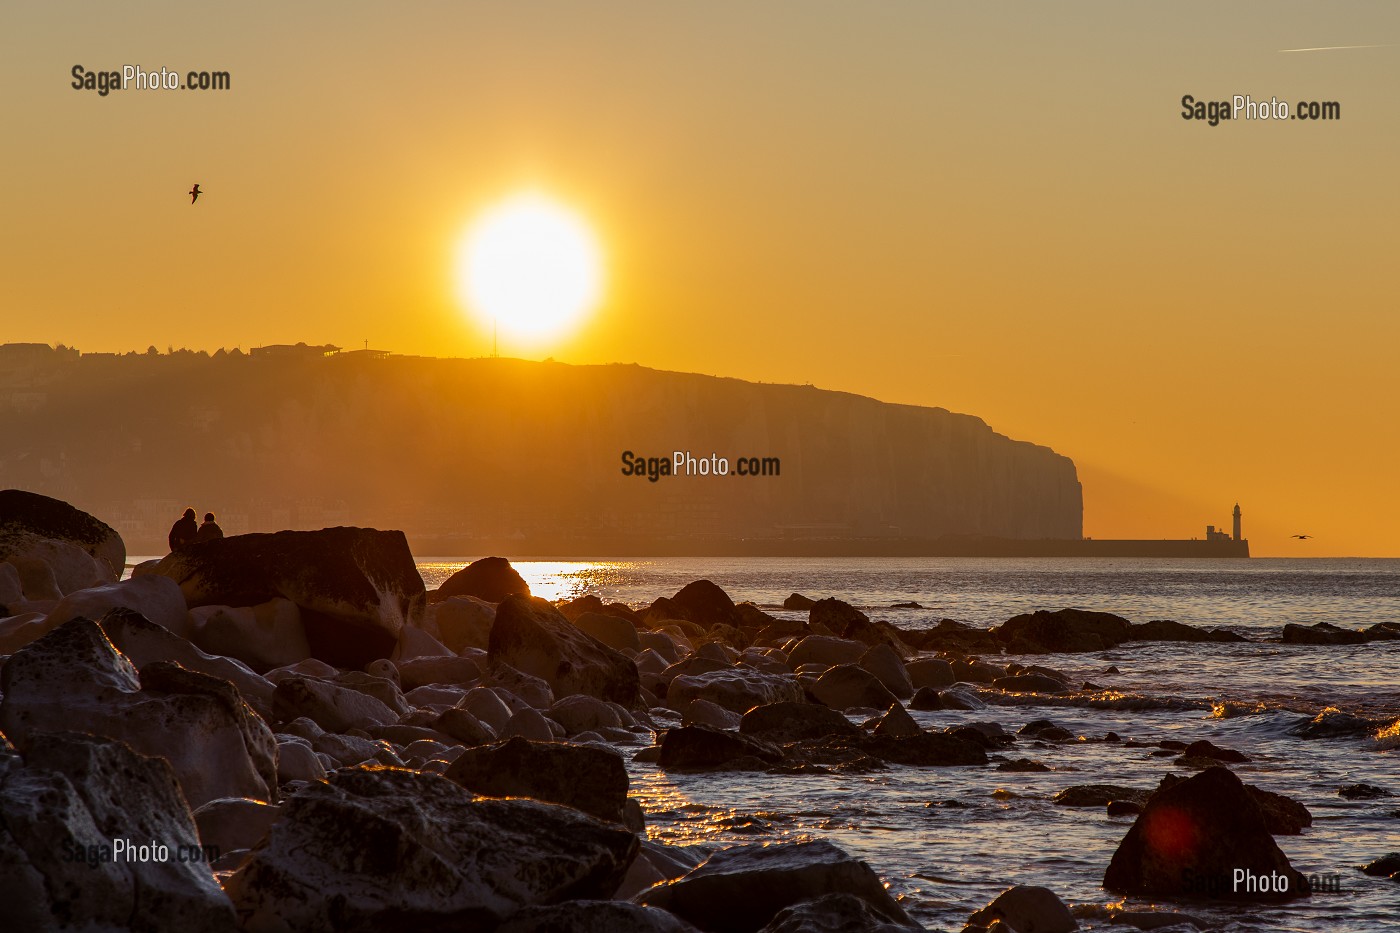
[1301, 537]
[195, 193]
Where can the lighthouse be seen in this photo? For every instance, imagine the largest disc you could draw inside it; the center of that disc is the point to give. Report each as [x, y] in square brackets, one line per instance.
[1238, 536]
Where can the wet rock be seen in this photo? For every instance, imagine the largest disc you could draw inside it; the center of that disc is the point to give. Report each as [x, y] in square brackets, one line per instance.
[705, 713]
[848, 685]
[960, 697]
[1022, 765]
[74, 679]
[798, 603]
[834, 913]
[1168, 630]
[1283, 816]
[741, 890]
[1194, 837]
[1123, 808]
[925, 699]
[1332, 723]
[1027, 907]
[1387, 866]
[1156, 919]
[846, 621]
[795, 722]
[955, 636]
[897, 723]
[584, 777]
[490, 579]
[618, 634]
[1068, 630]
[1100, 795]
[934, 673]
[595, 917]
[1322, 633]
[699, 748]
[826, 650]
[885, 664]
[1030, 683]
[531, 636]
[355, 588]
[1362, 792]
[387, 849]
[976, 672]
[331, 706]
[927, 749]
[62, 806]
[1046, 730]
[1206, 749]
[266, 636]
[737, 689]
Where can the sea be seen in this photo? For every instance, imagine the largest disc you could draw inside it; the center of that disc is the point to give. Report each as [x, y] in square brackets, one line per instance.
[948, 840]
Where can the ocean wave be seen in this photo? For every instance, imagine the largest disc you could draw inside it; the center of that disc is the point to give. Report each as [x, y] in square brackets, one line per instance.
[1107, 699]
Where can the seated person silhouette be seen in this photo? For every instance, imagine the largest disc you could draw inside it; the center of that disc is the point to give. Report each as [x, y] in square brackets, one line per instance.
[185, 531]
[210, 529]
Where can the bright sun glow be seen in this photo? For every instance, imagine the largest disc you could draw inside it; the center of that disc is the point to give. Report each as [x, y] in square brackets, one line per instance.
[530, 267]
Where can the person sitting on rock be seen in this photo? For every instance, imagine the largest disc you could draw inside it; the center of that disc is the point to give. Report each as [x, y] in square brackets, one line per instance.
[210, 529]
[185, 531]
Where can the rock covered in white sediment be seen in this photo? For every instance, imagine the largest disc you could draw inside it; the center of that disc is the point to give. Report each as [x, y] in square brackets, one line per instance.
[331, 706]
[414, 642]
[745, 887]
[533, 637]
[448, 670]
[370, 848]
[265, 636]
[297, 761]
[142, 642]
[74, 679]
[62, 807]
[157, 599]
[356, 588]
[737, 689]
[1027, 907]
[56, 520]
[19, 630]
[231, 823]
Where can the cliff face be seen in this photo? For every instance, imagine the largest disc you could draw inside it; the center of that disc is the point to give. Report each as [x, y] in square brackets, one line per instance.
[510, 450]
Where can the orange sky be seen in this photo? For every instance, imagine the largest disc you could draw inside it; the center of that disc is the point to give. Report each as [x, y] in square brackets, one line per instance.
[992, 208]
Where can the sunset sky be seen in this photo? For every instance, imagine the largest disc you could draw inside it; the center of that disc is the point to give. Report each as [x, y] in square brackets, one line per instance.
[992, 208]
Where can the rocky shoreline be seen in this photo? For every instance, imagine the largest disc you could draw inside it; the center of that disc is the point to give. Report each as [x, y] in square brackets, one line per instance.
[315, 741]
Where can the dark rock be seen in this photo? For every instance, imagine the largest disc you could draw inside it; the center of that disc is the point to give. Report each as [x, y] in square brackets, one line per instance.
[705, 604]
[1022, 766]
[1045, 729]
[1362, 792]
[1100, 795]
[1193, 837]
[795, 722]
[960, 697]
[584, 777]
[73, 795]
[700, 748]
[1168, 630]
[1383, 631]
[743, 889]
[531, 636]
[897, 723]
[834, 913]
[951, 635]
[594, 917]
[850, 685]
[975, 672]
[28, 513]
[798, 603]
[1283, 816]
[491, 579]
[1030, 683]
[333, 707]
[737, 689]
[1123, 808]
[886, 664]
[388, 849]
[846, 621]
[1068, 630]
[930, 672]
[927, 749]
[1384, 867]
[355, 588]
[1027, 908]
[925, 699]
[1332, 723]
[1322, 633]
[1205, 749]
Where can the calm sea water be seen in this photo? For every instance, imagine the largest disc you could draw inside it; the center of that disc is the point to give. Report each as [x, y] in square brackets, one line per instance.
[948, 861]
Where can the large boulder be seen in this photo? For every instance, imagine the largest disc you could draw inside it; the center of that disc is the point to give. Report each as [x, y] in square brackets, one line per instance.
[1204, 837]
[333, 707]
[532, 636]
[741, 890]
[394, 850]
[849, 685]
[931, 673]
[491, 579]
[460, 622]
[795, 722]
[355, 588]
[1027, 907]
[705, 604]
[266, 636]
[615, 632]
[826, 650]
[63, 808]
[737, 689]
[1321, 633]
[1063, 631]
[885, 663]
[73, 679]
[584, 777]
[29, 514]
[156, 598]
[834, 913]
[701, 748]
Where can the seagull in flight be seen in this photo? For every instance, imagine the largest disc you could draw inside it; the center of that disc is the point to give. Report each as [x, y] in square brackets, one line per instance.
[1301, 537]
[195, 193]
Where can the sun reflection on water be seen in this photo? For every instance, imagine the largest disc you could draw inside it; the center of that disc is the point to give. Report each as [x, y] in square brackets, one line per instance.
[551, 579]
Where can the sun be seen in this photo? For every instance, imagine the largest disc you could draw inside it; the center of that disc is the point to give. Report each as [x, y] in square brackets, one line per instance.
[530, 267]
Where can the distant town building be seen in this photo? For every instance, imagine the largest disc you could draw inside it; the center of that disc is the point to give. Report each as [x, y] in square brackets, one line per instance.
[1222, 535]
[294, 351]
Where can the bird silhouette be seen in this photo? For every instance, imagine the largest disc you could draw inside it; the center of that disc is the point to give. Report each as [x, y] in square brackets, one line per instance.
[195, 193]
[1301, 537]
